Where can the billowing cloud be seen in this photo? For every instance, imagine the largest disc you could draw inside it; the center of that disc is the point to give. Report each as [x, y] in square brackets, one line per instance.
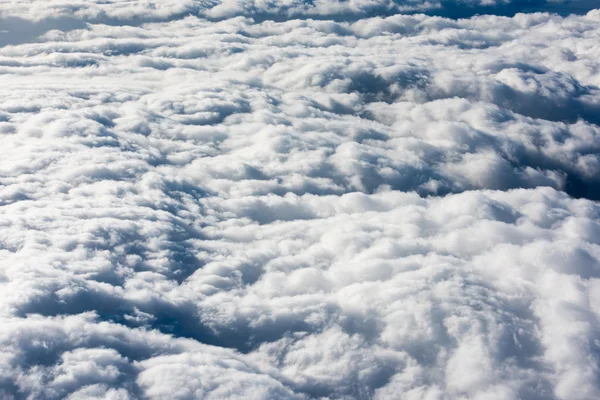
[200, 200]
[137, 11]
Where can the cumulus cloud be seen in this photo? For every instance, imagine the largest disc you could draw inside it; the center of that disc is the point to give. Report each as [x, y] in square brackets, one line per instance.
[200, 200]
[64, 13]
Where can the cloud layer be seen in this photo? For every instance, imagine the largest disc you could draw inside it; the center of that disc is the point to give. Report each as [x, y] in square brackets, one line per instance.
[366, 205]
[136, 11]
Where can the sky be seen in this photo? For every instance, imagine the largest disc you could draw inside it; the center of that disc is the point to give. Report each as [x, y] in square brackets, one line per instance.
[293, 199]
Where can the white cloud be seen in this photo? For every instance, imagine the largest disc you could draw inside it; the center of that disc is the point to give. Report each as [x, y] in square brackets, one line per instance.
[350, 207]
[116, 10]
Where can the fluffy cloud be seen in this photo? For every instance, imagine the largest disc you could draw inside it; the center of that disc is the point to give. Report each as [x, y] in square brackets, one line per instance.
[362, 295]
[363, 205]
[137, 11]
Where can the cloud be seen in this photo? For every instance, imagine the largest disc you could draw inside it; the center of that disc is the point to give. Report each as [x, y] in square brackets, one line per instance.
[356, 203]
[373, 295]
[60, 13]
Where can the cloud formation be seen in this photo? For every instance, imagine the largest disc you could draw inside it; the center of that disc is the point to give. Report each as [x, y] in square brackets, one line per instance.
[366, 205]
[138, 11]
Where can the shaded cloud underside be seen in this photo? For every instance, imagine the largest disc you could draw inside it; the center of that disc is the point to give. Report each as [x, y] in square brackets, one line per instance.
[361, 205]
